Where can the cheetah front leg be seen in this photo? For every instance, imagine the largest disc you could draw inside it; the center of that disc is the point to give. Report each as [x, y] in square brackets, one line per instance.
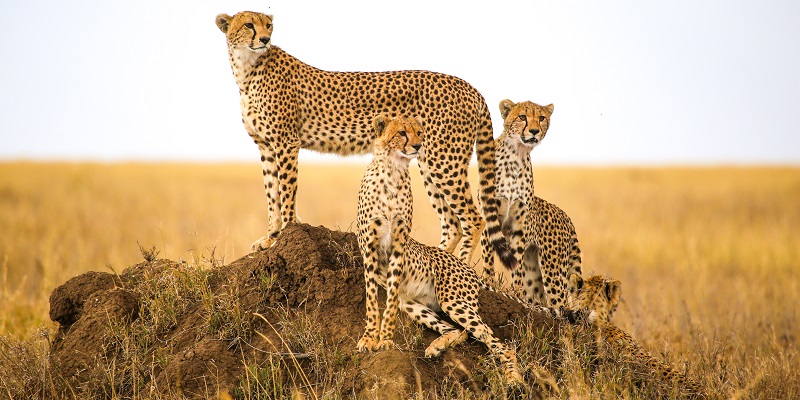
[287, 178]
[531, 276]
[400, 233]
[270, 172]
[369, 244]
[514, 230]
[279, 167]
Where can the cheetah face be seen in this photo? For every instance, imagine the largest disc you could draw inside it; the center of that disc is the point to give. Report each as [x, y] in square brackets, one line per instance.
[597, 294]
[398, 136]
[247, 31]
[526, 122]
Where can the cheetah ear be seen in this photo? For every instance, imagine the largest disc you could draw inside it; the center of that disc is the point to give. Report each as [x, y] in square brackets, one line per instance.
[613, 292]
[379, 124]
[505, 107]
[549, 108]
[419, 121]
[223, 22]
[575, 282]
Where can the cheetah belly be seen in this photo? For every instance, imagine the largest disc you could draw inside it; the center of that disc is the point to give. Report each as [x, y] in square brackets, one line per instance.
[420, 291]
[418, 285]
[344, 138]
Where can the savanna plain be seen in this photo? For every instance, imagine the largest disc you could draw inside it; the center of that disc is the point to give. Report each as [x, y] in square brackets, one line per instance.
[708, 257]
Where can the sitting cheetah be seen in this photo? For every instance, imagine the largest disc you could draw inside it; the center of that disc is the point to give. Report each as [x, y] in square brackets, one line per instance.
[419, 279]
[541, 235]
[288, 105]
[601, 296]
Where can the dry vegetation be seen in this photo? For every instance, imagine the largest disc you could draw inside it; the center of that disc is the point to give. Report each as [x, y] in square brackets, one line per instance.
[708, 257]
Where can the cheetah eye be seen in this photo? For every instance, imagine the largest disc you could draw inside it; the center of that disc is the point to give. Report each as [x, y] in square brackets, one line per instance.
[522, 117]
[249, 25]
[541, 118]
[402, 133]
[269, 26]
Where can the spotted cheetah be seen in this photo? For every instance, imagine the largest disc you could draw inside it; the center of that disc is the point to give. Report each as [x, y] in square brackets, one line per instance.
[597, 294]
[287, 105]
[419, 279]
[601, 296]
[541, 235]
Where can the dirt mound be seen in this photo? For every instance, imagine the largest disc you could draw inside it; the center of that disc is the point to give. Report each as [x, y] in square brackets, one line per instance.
[289, 316]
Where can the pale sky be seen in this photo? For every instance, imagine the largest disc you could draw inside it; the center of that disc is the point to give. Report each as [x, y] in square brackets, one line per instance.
[633, 82]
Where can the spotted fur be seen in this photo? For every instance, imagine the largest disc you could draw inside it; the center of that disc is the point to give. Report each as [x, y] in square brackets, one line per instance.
[419, 279]
[601, 297]
[541, 235]
[287, 105]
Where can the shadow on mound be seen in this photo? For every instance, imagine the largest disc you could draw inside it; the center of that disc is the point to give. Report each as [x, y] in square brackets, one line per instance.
[281, 320]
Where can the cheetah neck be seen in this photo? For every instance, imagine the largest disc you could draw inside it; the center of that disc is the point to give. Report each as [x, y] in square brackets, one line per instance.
[514, 167]
[243, 62]
[395, 168]
[394, 164]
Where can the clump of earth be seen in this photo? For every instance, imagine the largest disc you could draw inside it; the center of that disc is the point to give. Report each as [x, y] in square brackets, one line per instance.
[289, 315]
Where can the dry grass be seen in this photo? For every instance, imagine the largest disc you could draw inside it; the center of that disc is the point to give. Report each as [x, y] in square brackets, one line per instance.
[708, 257]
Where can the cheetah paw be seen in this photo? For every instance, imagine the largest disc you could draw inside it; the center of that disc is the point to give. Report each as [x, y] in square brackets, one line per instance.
[263, 243]
[545, 380]
[386, 344]
[438, 346]
[367, 344]
[582, 316]
[514, 378]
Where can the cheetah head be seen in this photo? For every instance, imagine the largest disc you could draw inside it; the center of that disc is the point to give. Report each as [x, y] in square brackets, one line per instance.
[247, 32]
[525, 122]
[399, 137]
[597, 294]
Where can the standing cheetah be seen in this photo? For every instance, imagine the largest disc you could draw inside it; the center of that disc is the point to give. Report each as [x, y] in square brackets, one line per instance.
[287, 105]
[541, 235]
[419, 279]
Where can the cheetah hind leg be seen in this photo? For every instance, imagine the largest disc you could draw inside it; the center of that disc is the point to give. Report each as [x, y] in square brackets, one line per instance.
[447, 340]
[487, 254]
[450, 228]
[426, 316]
[465, 313]
[269, 170]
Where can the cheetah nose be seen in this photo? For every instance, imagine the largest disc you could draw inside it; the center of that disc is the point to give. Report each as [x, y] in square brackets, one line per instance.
[264, 40]
[534, 131]
[416, 146]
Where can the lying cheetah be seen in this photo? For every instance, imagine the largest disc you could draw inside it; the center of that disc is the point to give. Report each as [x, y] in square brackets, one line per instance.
[601, 296]
[419, 279]
[541, 235]
[288, 105]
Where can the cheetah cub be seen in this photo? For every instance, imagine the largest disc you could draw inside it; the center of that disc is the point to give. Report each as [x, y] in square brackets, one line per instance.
[419, 279]
[541, 235]
[601, 296]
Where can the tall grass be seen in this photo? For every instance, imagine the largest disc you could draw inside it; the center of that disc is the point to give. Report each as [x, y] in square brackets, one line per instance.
[708, 257]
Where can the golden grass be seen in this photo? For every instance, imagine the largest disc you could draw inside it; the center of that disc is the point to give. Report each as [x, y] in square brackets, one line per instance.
[708, 257]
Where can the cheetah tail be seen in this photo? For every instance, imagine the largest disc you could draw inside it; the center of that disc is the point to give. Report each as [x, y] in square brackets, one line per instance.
[574, 251]
[485, 152]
